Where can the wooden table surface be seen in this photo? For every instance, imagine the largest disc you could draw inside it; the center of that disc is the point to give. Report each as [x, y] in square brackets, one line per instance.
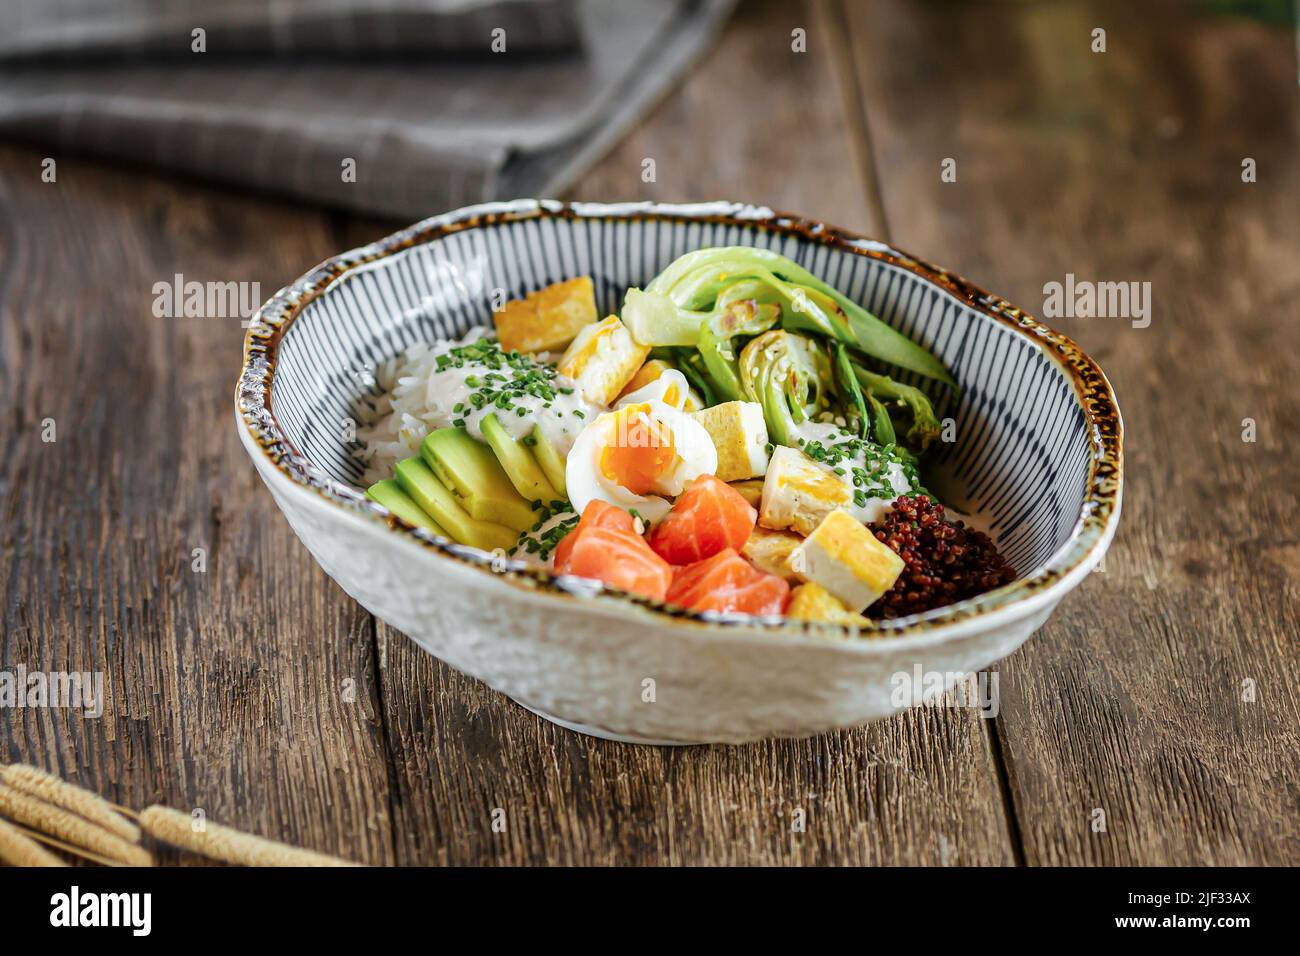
[1161, 694]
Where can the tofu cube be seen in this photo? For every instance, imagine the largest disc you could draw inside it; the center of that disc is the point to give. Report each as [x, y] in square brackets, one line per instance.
[770, 551]
[602, 359]
[740, 435]
[751, 489]
[547, 320]
[812, 602]
[845, 558]
[798, 492]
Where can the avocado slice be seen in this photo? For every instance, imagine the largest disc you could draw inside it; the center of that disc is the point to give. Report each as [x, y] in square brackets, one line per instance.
[424, 488]
[518, 462]
[468, 469]
[390, 494]
[551, 461]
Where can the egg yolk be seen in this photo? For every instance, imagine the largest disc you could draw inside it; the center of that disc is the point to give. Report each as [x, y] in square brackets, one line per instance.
[640, 452]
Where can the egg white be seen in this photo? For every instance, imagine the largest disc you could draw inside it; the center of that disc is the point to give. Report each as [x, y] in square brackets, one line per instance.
[657, 391]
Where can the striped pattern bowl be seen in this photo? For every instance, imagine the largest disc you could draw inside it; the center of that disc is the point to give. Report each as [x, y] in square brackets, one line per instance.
[1036, 461]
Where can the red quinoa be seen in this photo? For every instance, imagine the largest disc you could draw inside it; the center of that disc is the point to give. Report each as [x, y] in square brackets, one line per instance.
[945, 560]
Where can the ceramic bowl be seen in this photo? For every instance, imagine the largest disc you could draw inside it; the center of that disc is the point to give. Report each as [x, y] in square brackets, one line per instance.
[1035, 459]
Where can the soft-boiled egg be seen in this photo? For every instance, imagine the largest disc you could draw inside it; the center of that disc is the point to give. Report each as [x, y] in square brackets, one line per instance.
[634, 455]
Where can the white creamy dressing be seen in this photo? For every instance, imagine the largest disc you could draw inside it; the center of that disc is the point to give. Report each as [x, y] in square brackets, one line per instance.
[560, 423]
[538, 557]
[877, 508]
[828, 433]
[894, 477]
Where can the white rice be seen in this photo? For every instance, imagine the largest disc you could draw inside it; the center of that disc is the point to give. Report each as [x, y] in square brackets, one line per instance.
[394, 423]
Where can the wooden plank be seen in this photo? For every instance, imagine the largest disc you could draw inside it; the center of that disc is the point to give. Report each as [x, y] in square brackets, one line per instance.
[755, 122]
[760, 123]
[1127, 165]
[224, 689]
[917, 789]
